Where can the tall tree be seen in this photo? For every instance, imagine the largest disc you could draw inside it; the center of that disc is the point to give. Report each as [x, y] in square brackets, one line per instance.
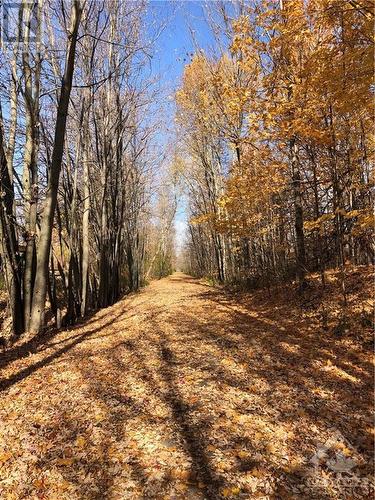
[44, 244]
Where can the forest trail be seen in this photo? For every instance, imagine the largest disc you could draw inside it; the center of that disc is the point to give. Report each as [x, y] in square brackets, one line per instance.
[182, 391]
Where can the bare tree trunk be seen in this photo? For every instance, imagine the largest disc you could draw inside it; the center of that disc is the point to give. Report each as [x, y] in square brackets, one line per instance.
[85, 221]
[9, 241]
[30, 174]
[13, 102]
[40, 288]
[298, 216]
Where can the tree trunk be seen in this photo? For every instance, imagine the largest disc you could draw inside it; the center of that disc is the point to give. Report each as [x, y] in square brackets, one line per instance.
[9, 245]
[40, 288]
[298, 216]
[30, 173]
[85, 226]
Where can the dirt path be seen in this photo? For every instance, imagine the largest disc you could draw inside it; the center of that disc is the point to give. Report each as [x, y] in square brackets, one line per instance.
[182, 392]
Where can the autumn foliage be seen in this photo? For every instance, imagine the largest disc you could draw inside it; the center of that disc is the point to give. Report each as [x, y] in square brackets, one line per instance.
[283, 118]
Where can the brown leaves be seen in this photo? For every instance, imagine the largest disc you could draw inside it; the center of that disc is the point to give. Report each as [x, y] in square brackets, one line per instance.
[209, 395]
[65, 461]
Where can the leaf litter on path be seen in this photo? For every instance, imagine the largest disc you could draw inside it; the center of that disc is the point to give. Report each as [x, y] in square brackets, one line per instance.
[204, 395]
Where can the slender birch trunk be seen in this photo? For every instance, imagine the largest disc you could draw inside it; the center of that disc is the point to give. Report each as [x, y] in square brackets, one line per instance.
[30, 173]
[85, 218]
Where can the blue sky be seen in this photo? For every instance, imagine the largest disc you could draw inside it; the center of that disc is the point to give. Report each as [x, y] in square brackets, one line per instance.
[184, 20]
[175, 45]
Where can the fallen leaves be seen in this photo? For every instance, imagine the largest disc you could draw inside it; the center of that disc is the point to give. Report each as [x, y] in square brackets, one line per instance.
[181, 474]
[80, 441]
[64, 461]
[228, 492]
[5, 456]
[184, 406]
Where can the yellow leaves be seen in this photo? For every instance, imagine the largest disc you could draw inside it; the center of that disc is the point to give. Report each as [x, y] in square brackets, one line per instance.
[315, 72]
[344, 375]
[344, 449]
[282, 434]
[241, 24]
[80, 441]
[5, 456]
[320, 392]
[99, 417]
[242, 454]
[65, 461]
[364, 220]
[317, 224]
[338, 372]
[12, 496]
[318, 92]
[246, 206]
[352, 213]
[228, 362]
[200, 219]
[212, 98]
[258, 436]
[292, 465]
[223, 466]
[258, 472]
[232, 491]
[271, 448]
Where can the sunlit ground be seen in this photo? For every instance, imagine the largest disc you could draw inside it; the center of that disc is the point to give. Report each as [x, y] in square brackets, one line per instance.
[183, 392]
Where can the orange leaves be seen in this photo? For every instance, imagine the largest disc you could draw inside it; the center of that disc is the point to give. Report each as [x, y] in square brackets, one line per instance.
[200, 219]
[227, 400]
[65, 461]
[39, 484]
[5, 456]
[181, 474]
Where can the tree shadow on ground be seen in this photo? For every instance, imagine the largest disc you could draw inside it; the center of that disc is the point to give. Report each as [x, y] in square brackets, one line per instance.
[192, 434]
[228, 378]
[25, 350]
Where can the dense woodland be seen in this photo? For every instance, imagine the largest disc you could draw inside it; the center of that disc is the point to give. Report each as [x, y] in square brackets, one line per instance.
[273, 152]
[234, 361]
[78, 161]
[277, 137]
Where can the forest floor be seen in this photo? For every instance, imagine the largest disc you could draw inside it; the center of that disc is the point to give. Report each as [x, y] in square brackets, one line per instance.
[187, 391]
